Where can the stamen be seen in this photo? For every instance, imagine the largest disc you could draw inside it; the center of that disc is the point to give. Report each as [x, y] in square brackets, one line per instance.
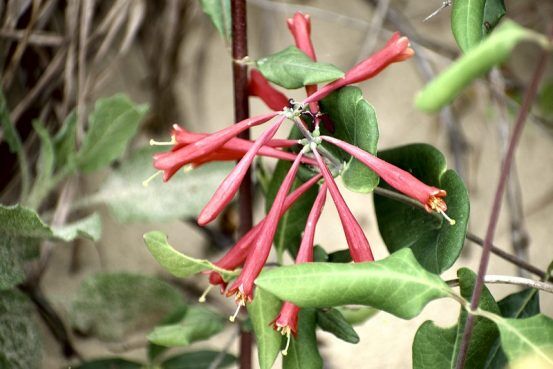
[203, 296]
[233, 317]
[286, 331]
[146, 182]
[161, 143]
[450, 220]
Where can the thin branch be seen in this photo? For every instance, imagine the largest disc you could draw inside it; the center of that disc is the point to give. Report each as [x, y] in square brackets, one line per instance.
[45, 39]
[374, 29]
[507, 279]
[498, 200]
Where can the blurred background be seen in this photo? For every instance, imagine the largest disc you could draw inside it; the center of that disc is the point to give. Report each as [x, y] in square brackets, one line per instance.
[62, 56]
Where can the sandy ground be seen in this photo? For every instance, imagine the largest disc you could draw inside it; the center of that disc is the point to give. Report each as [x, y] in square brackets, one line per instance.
[385, 340]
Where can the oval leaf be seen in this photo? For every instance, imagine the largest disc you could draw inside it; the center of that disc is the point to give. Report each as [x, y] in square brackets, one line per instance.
[176, 263]
[219, 13]
[334, 322]
[198, 360]
[330, 284]
[494, 10]
[291, 68]
[111, 363]
[354, 122]
[435, 243]
[303, 352]
[467, 17]
[478, 61]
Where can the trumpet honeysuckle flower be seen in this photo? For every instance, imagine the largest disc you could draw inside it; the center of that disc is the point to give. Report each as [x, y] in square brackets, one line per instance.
[243, 286]
[260, 87]
[172, 161]
[228, 188]
[396, 49]
[358, 244]
[236, 256]
[401, 180]
[287, 320]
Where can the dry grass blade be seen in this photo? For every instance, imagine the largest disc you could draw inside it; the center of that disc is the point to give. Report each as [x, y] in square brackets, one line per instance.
[137, 12]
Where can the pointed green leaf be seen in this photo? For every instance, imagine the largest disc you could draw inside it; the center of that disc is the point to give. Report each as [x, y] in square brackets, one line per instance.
[476, 62]
[17, 220]
[435, 243]
[65, 145]
[291, 68]
[467, 17]
[332, 321]
[428, 354]
[357, 315]
[176, 263]
[176, 316]
[112, 305]
[44, 166]
[198, 360]
[111, 126]
[262, 311]
[523, 304]
[9, 132]
[109, 363]
[219, 13]
[198, 324]
[330, 284]
[494, 10]
[303, 352]
[11, 270]
[183, 196]
[354, 122]
[20, 344]
[89, 227]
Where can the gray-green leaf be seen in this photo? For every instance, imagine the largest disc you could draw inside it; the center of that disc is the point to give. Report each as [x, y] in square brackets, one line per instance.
[262, 311]
[183, 196]
[291, 68]
[467, 17]
[110, 363]
[198, 360]
[219, 13]
[198, 324]
[494, 10]
[332, 321]
[65, 143]
[111, 305]
[177, 263]
[435, 243]
[111, 126]
[44, 166]
[330, 284]
[89, 227]
[354, 122]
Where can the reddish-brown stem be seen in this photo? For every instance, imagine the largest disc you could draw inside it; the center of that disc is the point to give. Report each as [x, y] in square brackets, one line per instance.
[529, 96]
[242, 111]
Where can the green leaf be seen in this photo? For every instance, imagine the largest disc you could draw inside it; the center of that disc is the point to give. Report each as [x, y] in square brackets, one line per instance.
[262, 311]
[183, 196]
[435, 243]
[20, 345]
[111, 126]
[219, 13]
[11, 270]
[44, 166]
[89, 227]
[494, 10]
[340, 256]
[198, 324]
[176, 263]
[354, 122]
[428, 354]
[545, 100]
[467, 17]
[197, 360]
[292, 223]
[303, 352]
[527, 339]
[357, 315]
[330, 284]
[476, 62]
[65, 145]
[174, 317]
[291, 68]
[110, 363]
[523, 304]
[332, 321]
[111, 305]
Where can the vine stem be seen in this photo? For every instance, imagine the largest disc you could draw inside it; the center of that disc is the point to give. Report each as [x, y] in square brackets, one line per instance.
[508, 279]
[241, 112]
[529, 96]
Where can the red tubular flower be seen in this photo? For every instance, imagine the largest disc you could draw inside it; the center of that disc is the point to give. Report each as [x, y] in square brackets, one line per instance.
[243, 286]
[172, 161]
[287, 320]
[238, 253]
[358, 244]
[401, 180]
[396, 49]
[260, 87]
[228, 188]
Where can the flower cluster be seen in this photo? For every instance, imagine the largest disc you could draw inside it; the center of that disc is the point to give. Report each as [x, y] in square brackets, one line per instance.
[252, 249]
